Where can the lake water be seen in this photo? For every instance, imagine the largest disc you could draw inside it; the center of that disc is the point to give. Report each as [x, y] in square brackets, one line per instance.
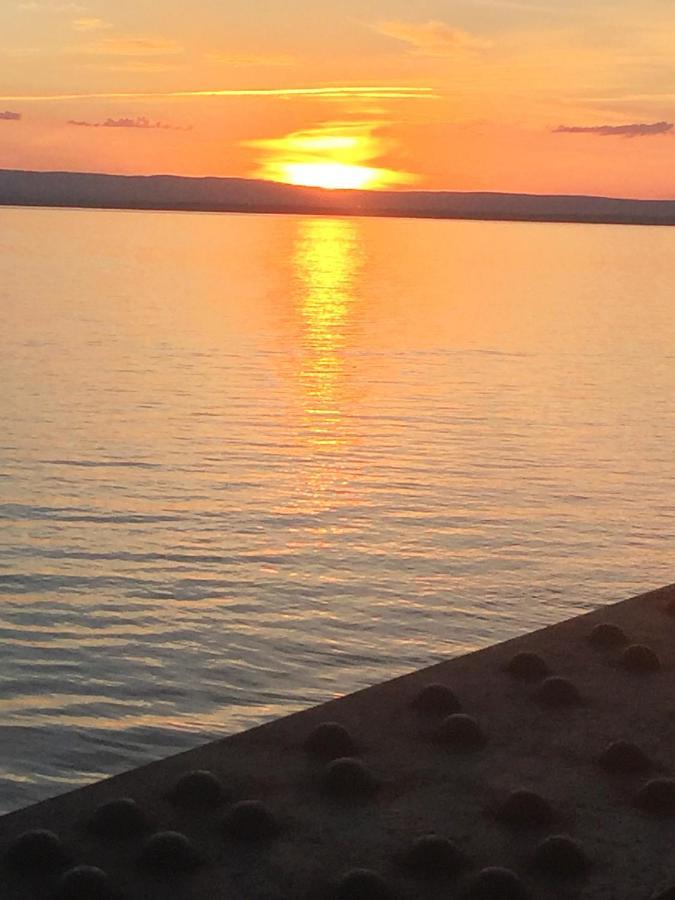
[251, 462]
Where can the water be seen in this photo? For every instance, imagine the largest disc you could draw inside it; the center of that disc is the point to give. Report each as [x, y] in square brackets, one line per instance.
[248, 463]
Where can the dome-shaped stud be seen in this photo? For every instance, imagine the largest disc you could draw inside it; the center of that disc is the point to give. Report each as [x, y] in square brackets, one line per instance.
[560, 856]
[250, 820]
[37, 850]
[349, 778]
[195, 790]
[624, 758]
[556, 691]
[121, 818]
[640, 660]
[85, 883]
[528, 667]
[363, 884]
[525, 809]
[170, 851]
[432, 855]
[460, 732]
[330, 740]
[495, 883]
[436, 699]
[607, 636]
[658, 797]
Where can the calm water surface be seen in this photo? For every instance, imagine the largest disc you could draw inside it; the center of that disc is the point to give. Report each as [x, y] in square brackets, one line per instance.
[248, 463]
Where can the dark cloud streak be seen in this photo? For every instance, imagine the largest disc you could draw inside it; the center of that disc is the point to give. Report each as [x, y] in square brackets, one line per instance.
[141, 122]
[9, 116]
[637, 129]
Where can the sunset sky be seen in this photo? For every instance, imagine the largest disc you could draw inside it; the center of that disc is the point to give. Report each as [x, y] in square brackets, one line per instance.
[540, 96]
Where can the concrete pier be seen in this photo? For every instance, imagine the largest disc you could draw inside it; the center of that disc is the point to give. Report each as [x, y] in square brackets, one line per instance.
[540, 767]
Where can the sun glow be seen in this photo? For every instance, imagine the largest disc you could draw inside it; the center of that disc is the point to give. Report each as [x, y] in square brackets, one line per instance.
[332, 176]
[333, 156]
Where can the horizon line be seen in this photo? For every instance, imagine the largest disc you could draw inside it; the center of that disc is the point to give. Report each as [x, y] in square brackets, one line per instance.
[336, 192]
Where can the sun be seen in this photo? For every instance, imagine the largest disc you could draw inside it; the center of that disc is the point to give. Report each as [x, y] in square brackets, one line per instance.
[331, 176]
[333, 156]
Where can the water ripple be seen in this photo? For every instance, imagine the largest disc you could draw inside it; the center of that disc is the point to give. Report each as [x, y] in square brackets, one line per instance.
[250, 463]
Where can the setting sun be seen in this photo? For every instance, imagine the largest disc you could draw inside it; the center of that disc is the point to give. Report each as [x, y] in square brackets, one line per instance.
[333, 156]
[331, 175]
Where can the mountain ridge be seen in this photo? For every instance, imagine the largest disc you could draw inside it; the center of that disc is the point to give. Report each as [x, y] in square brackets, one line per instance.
[230, 194]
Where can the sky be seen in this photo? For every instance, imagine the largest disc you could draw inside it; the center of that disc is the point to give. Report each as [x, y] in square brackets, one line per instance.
[539, 96]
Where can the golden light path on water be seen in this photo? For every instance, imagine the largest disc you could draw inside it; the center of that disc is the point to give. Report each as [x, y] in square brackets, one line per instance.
[327, 262]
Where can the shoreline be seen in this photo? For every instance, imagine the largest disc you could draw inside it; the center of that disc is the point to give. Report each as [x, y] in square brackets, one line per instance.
[355, 214]
[178, 193]
[418, 780]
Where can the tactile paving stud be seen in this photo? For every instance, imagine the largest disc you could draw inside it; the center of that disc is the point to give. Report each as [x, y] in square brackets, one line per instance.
[432, 855]
[250, 820]
[331, 740]
[557, 691]
[460, 732]
[528, 667]
[85, 883]
[640, 659]
[608, 636]
[560, 856]
[36, 850]
[436, 699]
[118, 819]
[525, 809]
[658, 797]
[624, 758]
[363, 884]
[349, 778]
[495, 883]
[170, 851]
[197, 789]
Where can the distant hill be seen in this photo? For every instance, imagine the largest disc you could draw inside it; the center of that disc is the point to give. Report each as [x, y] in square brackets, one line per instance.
[170, 192]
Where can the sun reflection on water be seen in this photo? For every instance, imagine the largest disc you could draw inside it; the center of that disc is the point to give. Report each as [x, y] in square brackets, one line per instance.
[327, 260]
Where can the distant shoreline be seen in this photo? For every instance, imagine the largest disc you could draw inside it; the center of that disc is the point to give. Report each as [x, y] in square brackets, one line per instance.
[356, 214]
[169, 193]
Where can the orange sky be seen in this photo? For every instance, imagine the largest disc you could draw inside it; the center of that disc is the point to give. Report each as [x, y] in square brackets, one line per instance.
[435, 94]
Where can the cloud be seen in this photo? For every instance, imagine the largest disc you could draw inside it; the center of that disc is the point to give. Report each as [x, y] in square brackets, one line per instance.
[54, 6]
[517, 6]
[667, 97]
[128, 53]
[9, 116]
[21, 52]
[135, 46]
[141, 122]
[250, 59]
[336, 92]
[433, 38]
[638, 129]
[90, 24]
